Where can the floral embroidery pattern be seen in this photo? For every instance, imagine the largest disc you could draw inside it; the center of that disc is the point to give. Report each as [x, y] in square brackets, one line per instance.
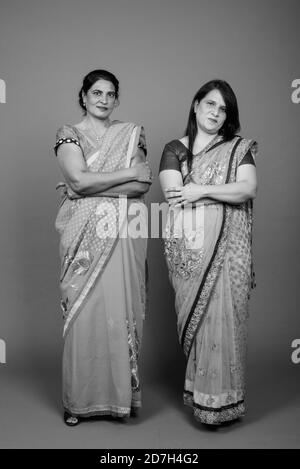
[210, 401]
[214, 172]
[133, 342]
[182, 262]
[82, 263]
[217, 417]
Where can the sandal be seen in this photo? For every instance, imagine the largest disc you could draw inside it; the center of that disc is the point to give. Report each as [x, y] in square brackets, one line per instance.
[134, 412]
[70, 419]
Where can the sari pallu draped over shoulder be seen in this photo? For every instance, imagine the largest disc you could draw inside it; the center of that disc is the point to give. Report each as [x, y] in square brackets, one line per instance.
[103, 290]
[208, 252]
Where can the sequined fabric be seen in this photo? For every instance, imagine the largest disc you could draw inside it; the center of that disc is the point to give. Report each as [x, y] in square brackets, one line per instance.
[212, 321]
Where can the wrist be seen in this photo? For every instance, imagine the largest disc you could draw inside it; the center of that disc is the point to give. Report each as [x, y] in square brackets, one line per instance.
[205, 191]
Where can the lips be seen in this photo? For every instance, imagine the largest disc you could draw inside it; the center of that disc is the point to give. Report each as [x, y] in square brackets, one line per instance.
[214, 121]
[102, 108]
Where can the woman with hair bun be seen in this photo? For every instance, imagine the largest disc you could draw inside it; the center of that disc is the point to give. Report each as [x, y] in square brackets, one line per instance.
[209, 180]
[102, 272]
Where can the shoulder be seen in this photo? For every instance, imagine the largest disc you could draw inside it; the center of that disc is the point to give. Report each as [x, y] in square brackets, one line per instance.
[174, 154]
[129, 126]
[66, 134]
[245, 150]
[246, 144]
[66, 131]
[176, 147]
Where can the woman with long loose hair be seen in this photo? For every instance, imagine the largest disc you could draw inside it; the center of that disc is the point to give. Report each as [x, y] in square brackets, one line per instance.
[209, 180]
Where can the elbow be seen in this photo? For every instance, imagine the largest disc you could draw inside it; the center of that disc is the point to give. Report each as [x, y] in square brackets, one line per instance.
[145, 188]
[254, 193]
[141, 188]
[77, 187]
[248, 190]
[251, 192]
[77, 184]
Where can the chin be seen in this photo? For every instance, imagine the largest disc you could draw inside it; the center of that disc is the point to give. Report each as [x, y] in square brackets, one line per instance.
[102, 115]
[212, 131]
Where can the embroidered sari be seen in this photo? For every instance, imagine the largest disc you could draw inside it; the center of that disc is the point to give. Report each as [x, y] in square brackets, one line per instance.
[208, 253]
[102, 285]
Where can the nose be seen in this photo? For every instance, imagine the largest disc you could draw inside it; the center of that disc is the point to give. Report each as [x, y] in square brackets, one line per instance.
[103, 99]
[216, 111]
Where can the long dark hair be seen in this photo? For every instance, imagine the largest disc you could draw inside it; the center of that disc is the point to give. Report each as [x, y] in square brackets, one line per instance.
[91, 78]
[232, 122]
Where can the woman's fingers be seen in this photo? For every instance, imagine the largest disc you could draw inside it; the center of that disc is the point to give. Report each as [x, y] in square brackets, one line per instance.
[174, 189]
[175, 196]
[173, 193]
[177, 201]
[146, 179]
[181, 203]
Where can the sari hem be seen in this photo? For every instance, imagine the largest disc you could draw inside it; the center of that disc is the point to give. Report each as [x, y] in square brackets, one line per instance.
[218, 417]
[113, 411]
[212, 416]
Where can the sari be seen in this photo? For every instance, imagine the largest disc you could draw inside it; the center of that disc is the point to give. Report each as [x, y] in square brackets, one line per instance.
[208, 254]
[102, 285]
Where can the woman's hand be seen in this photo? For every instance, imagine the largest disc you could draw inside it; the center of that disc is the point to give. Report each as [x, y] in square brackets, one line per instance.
[190, 193]
[143, 172]
[238, 192]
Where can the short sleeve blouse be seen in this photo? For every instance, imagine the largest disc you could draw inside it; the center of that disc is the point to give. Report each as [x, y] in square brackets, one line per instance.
[66, 134]
[175, 153]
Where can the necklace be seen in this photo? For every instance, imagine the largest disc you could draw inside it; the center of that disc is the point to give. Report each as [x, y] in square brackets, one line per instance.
[97, 136]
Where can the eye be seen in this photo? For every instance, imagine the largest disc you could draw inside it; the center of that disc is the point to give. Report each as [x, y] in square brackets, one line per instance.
[210, 103]
[111, 94]
[97, 92]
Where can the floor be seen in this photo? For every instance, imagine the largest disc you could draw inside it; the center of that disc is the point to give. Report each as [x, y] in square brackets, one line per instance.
[31, 414]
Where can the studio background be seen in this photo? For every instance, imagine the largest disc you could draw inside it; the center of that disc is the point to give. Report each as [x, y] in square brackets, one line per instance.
[162, 52]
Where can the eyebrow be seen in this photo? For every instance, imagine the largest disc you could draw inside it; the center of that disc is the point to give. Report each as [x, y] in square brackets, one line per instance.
[96, 89]
[215, 102]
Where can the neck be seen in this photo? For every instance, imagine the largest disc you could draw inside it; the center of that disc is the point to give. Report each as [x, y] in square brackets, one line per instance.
[203, 138]
[99, 125]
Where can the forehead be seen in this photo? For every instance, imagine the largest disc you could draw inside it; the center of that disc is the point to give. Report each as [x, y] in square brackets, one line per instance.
[216, 96]
[103, 85]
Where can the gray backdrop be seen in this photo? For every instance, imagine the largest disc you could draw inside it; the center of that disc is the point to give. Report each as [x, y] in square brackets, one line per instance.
[162, 51]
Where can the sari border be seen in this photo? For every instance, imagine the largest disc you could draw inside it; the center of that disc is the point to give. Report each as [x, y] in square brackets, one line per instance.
[210, 274]
[190, 399]
[213, 417]
[89, 285]
[220, 409]
[101, 410]
[208, 147]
